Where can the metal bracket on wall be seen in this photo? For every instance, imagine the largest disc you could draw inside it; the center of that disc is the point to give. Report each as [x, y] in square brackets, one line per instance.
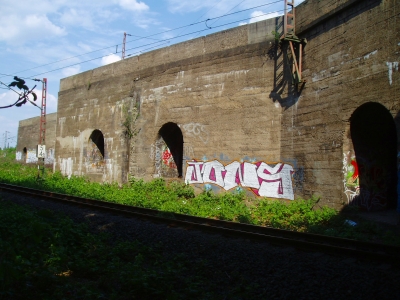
[295, 44]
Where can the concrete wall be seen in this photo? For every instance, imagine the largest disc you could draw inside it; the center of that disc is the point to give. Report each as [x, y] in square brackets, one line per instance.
[28, 138]
[225, 107]
[351, 59]
[214, 88]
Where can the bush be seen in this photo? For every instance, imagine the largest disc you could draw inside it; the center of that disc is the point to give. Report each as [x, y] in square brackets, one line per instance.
[177, 197]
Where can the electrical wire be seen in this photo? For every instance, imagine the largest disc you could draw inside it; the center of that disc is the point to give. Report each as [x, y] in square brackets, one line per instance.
[226, 12]
[181, 32]
[141, 38]
[169, 39]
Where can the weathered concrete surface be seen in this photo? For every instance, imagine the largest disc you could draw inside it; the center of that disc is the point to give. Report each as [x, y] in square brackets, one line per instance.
[351, 59]
[28, 139]
[215, 88]
[224, 107]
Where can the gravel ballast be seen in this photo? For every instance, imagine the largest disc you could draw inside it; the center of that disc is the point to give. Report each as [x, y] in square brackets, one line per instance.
[278, 272]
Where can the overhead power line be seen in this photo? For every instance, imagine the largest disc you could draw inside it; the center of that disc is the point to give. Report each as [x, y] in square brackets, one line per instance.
[165, 40]
[141, 38]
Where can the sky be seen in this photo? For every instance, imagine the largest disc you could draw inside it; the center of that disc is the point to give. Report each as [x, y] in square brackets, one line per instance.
[55, 39]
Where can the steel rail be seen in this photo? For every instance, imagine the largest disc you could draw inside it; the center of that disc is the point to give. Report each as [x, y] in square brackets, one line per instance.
[305, 241]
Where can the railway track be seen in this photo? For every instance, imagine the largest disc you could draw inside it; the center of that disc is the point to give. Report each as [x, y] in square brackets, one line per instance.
[305, 241]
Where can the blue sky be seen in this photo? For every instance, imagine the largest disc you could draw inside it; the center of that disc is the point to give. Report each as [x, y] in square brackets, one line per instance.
[54, 39]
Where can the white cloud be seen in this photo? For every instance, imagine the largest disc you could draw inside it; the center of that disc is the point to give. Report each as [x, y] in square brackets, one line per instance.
[109, 59]
[71, 71]
[189, 6]
[133, 5]
[51, 100]
[259, 15]
[217, 8]
[78, 18]
[15, 30]
[7, 97]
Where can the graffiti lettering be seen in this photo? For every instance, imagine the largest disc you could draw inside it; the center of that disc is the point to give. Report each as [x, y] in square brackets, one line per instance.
[264, 180]
[196, 130]
[30, 156]
[350, 181]
[371, 194]
[164, 165]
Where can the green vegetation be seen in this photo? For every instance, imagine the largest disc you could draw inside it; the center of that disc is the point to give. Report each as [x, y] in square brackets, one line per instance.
[299, 215]
[45, 255]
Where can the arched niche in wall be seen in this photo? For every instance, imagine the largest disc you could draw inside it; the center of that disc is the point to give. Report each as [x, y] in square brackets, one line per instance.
[397, 122]
[24, 154]
[95, 151]
[169, 158]
[374, 168]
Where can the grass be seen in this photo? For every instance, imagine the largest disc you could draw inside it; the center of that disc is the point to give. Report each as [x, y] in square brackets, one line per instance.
[45, 255]
[299, 215]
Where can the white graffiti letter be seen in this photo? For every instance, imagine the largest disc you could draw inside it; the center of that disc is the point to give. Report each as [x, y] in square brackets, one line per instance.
[277, 181]
[232, 171]
[250, 177]
[212, 173]
[193, 172]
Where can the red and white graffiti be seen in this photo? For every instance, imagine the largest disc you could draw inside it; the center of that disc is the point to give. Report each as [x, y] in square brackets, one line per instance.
[167, 158]
[264, 180]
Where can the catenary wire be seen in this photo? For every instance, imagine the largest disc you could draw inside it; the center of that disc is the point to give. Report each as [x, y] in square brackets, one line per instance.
[198, 31]
[145, 37]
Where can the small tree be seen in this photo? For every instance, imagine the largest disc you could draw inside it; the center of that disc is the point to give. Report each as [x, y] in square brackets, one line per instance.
[23, 94]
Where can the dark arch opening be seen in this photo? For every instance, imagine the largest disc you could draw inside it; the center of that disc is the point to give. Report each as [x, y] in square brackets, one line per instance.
[172, 135]
[98, 139]
[374, 138]
[25, 154]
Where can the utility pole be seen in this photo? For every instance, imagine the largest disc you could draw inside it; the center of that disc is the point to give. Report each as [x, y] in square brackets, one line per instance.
[5, 140]
[41, 148]
[123, 45]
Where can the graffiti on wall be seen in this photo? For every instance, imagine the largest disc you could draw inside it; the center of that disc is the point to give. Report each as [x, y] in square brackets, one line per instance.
[49, 159]
[30, 156]
[66, 165]
[196, 130]
[351, 180]
[95, 162]
[164, 164]
[371, 194]
[264, 180]
[18, 156]
[392, 66]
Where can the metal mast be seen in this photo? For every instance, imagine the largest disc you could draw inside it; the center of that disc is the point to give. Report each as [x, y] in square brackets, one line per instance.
[5, 139]
[42, 132]
[123, 45]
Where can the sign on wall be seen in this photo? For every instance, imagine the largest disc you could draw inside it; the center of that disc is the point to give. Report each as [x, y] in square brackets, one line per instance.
[41, 151]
